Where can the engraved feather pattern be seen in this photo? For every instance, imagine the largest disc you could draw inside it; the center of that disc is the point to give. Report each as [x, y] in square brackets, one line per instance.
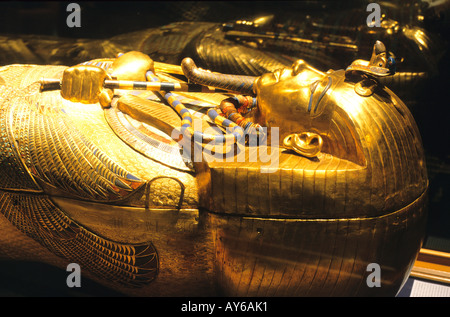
[37, 217]
[59, 155]
[40, 150]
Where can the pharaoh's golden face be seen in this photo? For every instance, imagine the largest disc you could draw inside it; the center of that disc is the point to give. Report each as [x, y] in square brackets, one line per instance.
[311, 110]
[289, 98]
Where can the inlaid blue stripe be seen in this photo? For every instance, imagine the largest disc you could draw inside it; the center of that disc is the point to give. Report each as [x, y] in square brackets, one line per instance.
[323, 93]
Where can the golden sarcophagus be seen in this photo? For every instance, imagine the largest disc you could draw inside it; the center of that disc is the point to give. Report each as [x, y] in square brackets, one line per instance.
[164, 180]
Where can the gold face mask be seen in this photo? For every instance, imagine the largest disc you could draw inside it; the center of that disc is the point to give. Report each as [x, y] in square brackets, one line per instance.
[295, 100]
[316, 111]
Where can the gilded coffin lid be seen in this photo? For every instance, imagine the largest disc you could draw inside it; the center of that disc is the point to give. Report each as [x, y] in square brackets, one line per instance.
[391, 176]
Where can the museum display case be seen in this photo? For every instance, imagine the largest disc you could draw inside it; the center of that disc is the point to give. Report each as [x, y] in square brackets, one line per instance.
[237, 149]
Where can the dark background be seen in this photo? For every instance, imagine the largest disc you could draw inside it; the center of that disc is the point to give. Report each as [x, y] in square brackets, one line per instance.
[103, 19]
[100, 19]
